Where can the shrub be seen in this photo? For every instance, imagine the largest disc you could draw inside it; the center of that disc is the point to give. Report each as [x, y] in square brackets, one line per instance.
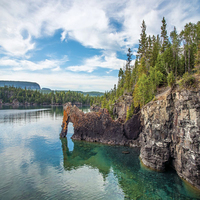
[170, 79]
[187, 81]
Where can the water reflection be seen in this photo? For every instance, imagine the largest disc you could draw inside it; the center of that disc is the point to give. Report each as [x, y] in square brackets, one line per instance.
[36, 164]
[135, 181]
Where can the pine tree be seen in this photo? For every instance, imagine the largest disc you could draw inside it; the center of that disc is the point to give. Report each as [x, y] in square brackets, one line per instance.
[155, 50]
[129, 57]
[175, 47]
[164, 35]
[143, 41]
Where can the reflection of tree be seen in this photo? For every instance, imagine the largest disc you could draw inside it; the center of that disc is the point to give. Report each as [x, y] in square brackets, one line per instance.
[85, 154]
[135, 181]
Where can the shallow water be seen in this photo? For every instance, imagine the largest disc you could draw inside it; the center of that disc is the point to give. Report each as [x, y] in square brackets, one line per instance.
[36, 164]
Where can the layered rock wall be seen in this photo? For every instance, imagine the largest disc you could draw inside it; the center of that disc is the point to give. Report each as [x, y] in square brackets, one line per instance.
[100, 127]
[170, 134]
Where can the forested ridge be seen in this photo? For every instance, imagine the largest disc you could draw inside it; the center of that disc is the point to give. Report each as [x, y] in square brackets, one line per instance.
[8, 94]
[160, 61]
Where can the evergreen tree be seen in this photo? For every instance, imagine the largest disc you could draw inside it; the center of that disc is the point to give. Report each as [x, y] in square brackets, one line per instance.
[143, 41]
[175, 47]
[164, 35]
[129, 57]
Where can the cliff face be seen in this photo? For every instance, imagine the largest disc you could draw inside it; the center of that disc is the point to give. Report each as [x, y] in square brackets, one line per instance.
[99, 126]
[21, 84]
[170, 134]
[121, 106]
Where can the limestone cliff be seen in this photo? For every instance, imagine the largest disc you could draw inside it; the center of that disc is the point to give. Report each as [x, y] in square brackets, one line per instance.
[170, 134]
[100, 127]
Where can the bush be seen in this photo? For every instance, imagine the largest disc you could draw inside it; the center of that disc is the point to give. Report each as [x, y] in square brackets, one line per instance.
[170, 79]
[187, 81]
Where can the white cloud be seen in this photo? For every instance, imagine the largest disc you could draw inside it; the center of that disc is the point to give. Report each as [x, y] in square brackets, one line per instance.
[88, 22]
[63, 80]
[103, 61]
[91, 23]
[19, 65]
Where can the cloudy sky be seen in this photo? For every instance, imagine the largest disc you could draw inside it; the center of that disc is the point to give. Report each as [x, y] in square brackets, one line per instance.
[79, 44]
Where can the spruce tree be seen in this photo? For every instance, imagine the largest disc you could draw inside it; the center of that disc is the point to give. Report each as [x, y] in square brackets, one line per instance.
[164, 35]
[143, 41]
[175, 47]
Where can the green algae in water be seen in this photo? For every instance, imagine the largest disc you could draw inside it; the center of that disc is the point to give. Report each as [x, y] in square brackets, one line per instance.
[36, 164]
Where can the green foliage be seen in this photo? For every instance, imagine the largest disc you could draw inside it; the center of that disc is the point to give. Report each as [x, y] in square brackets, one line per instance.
[155, 77]
[143, 41]
[164, 35]
[170, 79]
[187, 81]
[146, 86]
[8, 94]
[128, 114]
[142, 93]
[159, 61]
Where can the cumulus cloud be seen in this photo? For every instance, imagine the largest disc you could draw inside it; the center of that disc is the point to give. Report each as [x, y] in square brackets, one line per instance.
[88, 22]
[19, 65]
[103, 61]
[106, 25]
[63, 80]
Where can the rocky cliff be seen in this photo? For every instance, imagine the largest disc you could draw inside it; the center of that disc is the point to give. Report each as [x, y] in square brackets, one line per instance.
[170, 134]
[100, 127]
[167, 129]
[121, 106]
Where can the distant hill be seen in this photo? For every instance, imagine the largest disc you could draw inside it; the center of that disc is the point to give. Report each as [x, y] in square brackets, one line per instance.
[36, 86]
[92, 94]
[21, 84]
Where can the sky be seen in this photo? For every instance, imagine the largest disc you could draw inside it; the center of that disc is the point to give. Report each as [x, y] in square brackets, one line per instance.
[80, 44]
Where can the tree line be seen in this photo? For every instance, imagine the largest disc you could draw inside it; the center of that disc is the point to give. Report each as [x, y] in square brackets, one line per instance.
[8, 94]
[160, 61]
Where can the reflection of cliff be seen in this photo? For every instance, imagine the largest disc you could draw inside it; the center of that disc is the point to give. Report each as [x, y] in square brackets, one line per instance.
[84, 154]
[133, 179]
[169, 136]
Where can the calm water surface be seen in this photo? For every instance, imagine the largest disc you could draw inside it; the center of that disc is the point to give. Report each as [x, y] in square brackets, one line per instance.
[36, 164]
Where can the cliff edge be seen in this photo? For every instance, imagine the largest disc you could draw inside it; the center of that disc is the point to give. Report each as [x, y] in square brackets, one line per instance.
[166, 129]
[170, 134]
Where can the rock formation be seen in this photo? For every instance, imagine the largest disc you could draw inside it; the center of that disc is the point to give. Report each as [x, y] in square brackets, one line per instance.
[170, 134]
[99, 126]
[121, 105]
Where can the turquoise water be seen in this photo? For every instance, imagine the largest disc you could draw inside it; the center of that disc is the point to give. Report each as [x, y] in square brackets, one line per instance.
[36, 164]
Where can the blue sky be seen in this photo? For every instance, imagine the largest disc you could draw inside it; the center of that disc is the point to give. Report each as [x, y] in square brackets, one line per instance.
[80, 44]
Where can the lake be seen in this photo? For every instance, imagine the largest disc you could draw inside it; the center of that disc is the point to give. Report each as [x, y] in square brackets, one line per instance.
[36, 164]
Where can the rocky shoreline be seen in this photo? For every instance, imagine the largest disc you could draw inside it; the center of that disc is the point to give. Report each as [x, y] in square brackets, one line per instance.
[166, 129]
[16, 103]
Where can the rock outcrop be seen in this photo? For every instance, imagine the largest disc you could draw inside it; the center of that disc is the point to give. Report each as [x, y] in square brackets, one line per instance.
[95, 108]
[171, 134]
[121, 106]
[100, 127]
